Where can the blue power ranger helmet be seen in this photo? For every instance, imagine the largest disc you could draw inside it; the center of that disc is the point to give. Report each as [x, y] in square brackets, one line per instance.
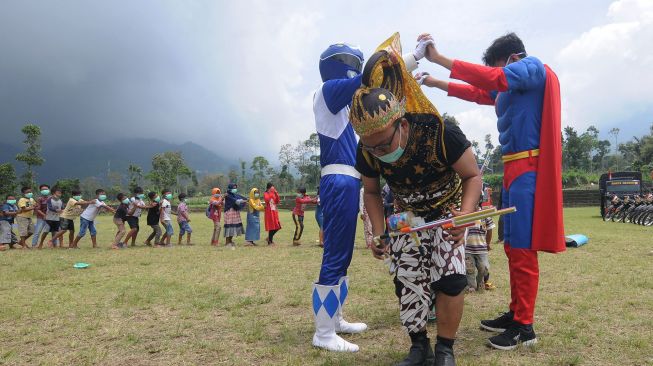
[341, 61]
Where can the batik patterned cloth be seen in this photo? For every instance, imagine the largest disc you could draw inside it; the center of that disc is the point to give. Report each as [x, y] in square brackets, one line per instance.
[420, 259]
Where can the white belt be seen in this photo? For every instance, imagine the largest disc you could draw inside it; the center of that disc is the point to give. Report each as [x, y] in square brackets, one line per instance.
[341, 169]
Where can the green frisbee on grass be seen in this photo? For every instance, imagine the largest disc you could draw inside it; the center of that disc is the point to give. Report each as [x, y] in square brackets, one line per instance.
[80, 265]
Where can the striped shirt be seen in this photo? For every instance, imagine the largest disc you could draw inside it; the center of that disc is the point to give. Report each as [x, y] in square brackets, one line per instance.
[475, 241]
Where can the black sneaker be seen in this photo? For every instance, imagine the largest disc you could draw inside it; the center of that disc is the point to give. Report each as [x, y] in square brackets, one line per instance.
[499, 324]
[514, 336]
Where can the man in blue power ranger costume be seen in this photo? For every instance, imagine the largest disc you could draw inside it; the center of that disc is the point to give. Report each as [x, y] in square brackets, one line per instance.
[340, 68]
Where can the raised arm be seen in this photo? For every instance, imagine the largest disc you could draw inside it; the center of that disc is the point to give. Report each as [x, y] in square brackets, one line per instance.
[338, 93]
[466, 92]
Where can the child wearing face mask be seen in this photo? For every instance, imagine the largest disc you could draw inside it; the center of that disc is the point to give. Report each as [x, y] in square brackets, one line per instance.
[233, 224]
[67, 217]
[214, 212]
[164, 218]
[153, 214]
[183, 220]
[9, 210]
[136, 207]
[254, 207]
[54, 208]
[298, 214]
[119, 219]
[87, 218]
[41, 228]
[26, 205]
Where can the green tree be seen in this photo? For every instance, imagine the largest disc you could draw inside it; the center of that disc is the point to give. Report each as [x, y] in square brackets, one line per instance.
[243, 174]
[31, 157]
[135, 176]
[259, 166]
[495, 160]
[210, 181]
[167, 168]
[313, 146]
[601, 149]
[67, 186]
[114, 180]
[638, 153]
[446, 117]
[286, 155]
[7, 180]
[233, 176]
[577, 149]
[477, 151]
[88, 186]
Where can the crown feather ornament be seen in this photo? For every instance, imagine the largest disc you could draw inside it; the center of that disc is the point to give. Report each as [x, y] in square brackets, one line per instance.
[389, 110]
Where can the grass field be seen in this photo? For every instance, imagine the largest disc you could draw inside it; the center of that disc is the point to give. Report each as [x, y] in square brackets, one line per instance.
[252, 306]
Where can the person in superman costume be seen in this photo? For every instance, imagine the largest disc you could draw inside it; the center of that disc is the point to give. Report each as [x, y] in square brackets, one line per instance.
[526, 97]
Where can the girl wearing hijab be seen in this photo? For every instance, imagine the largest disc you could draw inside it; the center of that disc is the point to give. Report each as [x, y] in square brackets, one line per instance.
[233, 224]
[272, 223]
[215, 214]
[254, 205]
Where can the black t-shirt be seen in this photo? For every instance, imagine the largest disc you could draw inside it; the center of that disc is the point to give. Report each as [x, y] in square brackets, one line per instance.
[422, 180]
[121, 212]
[153, 214]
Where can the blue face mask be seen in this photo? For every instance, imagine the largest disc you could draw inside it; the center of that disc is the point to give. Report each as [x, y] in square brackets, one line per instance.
[234, 191]
[395, 155]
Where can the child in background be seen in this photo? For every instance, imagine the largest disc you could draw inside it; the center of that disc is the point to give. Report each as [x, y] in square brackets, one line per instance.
[153, 214]
[26, 205]
[41, 228]
[233, 224]
[476, 254]
[136, 207]
[214, 212]
[319, 217]
[54, 208]
[272, 223]
[119, 219]
[8, 212]
[183, 220]
[87, 218]
[66, 219]
[164, 217]
[298, 214]
[254, 206]
[367, 224]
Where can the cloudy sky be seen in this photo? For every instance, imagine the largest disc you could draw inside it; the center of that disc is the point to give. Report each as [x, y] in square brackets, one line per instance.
[238, 76]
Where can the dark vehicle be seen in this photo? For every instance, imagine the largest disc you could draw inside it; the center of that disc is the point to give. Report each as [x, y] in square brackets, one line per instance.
[619, 184]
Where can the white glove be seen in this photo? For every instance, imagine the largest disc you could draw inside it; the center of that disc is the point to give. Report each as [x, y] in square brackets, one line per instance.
[420, 49]
[420, 77]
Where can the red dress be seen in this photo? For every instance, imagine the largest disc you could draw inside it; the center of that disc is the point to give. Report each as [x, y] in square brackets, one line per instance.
[271, 212]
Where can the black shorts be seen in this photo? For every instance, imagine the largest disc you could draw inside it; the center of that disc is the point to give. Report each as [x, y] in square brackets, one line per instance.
[132, 221]
[66, 224]
[54, 225]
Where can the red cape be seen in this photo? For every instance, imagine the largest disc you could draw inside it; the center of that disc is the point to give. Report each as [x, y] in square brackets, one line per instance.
[548, 226]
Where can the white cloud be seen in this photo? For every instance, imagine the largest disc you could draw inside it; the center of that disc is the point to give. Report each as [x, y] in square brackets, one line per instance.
[269, 92]
[606, 73]
[478, 122]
